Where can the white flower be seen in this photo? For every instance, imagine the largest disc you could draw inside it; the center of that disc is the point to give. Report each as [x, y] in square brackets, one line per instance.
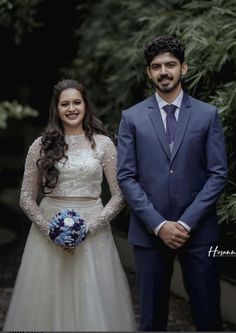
[69, 222]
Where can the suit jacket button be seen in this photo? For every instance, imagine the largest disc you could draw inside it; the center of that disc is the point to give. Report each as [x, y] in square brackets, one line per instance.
[171, 171]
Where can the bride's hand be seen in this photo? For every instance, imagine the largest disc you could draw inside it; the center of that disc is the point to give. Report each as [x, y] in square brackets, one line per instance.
[68, 249]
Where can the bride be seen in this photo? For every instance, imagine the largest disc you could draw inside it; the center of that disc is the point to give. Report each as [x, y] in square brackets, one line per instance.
[59, 287]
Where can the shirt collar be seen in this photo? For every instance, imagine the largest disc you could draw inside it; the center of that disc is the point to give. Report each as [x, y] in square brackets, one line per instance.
[176, 102]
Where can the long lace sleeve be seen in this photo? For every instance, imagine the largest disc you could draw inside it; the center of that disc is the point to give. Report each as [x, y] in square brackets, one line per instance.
[30, 187]
[116, 202]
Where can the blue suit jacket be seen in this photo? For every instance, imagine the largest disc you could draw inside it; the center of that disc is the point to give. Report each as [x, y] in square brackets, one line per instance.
[184, 185]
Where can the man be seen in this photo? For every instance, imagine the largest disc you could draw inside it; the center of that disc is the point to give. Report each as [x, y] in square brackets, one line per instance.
[172, 169]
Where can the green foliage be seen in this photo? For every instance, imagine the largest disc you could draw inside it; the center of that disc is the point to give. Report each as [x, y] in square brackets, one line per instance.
[104, 60]
[111, 39]
[227, 210]
[14, 110]
[19, 16]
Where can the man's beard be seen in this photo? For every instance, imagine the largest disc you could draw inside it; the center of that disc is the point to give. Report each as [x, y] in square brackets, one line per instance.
[167, 89]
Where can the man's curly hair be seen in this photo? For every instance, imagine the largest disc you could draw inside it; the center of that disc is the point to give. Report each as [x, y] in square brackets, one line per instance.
[163, 44]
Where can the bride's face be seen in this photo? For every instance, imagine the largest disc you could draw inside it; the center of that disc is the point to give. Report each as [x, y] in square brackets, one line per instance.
[71, 110]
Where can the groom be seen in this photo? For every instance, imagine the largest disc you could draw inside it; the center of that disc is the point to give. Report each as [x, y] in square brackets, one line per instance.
[172, 169]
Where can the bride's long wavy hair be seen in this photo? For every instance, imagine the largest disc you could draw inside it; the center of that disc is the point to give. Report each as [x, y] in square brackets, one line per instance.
[53, 144]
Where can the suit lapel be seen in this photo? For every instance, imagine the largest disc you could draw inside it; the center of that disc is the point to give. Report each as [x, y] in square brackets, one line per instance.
[155, 116]
[184, 114]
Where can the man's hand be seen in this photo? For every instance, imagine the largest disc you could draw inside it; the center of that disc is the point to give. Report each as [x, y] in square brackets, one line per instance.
[173, 234]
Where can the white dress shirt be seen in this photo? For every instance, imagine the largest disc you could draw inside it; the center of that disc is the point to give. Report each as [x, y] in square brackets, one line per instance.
[161, 104]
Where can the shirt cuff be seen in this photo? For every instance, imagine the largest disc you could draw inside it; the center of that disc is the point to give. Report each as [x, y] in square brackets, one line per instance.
[156, 230]
[187, 227]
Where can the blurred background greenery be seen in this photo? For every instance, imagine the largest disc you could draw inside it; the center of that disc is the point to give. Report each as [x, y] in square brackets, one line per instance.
[100, 42]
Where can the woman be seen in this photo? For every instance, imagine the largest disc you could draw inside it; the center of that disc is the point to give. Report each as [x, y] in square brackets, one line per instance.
[61, 288]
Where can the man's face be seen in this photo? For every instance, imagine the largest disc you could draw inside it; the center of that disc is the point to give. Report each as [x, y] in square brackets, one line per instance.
[165, 71]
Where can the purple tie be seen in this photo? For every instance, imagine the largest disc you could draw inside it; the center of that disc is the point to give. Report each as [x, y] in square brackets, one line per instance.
[170, 121]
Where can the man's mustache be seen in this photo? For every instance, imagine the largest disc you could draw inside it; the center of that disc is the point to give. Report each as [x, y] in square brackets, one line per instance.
[163, 77]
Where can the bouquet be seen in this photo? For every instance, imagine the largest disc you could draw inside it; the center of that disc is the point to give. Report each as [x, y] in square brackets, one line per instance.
[67, 228]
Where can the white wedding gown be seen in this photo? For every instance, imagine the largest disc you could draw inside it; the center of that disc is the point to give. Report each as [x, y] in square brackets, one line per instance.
[85, 290]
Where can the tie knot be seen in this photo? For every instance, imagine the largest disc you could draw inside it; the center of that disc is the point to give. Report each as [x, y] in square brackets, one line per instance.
[169, 108]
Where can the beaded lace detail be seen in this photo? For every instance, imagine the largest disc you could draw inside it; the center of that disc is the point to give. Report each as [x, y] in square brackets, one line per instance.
[81, 175]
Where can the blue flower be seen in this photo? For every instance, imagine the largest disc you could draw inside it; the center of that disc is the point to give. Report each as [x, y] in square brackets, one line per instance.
[67, 228]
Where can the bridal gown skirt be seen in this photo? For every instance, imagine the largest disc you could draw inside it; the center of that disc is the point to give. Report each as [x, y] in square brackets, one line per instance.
[86, 290]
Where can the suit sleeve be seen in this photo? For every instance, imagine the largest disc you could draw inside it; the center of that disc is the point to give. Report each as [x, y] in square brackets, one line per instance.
[216, 175]
[128, 178]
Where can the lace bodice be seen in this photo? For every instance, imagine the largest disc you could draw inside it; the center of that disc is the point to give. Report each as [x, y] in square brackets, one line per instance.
[80, 175]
